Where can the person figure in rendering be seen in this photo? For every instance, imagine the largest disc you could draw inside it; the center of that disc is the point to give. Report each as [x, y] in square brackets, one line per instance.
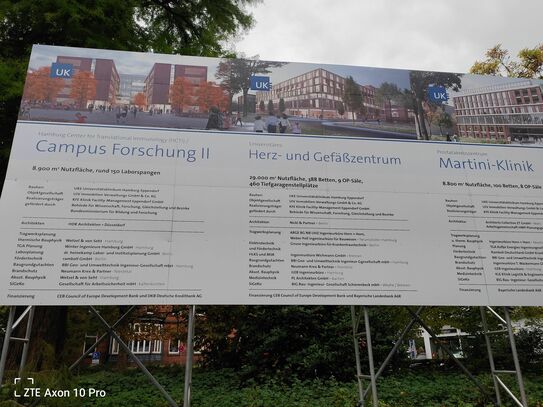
[271, 123]
[25, 112]
[296, 129]
[213, 120]
[79, 118]
[259, 125]
[284, 124]
[238, 120]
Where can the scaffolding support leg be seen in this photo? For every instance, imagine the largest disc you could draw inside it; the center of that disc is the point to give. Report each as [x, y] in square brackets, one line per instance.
[91, 348]
[490, 356]
[135, 359]
[512, 342]
[26, 341]
[7, 339]
[356, 323]
[190, 356]
[448, 352]
[394, 349]
[375, 398]
[362, 393]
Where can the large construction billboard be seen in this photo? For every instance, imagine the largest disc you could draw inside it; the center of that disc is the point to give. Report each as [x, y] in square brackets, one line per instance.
[144, 178]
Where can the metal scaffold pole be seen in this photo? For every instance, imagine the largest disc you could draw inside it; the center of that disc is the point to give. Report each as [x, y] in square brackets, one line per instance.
[26, 340]
[490, 356]
[499, 384]
[7, 339]
[134, 358]
[513, 344]
[356, 323]
[190, 356]
[356, 319]
[91, 348]
[370, 358]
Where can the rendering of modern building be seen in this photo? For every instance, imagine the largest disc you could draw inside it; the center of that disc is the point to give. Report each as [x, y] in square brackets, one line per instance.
[104, 72]
[130, 86]
[157, 84]
[162, 76]
[512, 111]
[317, 93]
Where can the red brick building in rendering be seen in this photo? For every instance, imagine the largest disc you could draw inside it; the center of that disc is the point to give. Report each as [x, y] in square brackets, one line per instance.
[162, 76]
[319, 93]
[104, 72]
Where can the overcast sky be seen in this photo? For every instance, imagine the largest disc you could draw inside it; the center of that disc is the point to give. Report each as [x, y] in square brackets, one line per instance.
[416, 34]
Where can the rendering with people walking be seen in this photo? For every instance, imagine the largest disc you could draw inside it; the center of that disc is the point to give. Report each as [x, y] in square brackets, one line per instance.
[164, 91]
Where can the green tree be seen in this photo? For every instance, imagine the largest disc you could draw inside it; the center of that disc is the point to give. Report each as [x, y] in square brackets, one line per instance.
[352, 96]
[498, 62]
[293, 341]
[271, 107]
[420, 81]
[262, 106]
[443, 120]
[183, 26]
[385, 94]
[235, 74]
[282, 106]
[340, 107]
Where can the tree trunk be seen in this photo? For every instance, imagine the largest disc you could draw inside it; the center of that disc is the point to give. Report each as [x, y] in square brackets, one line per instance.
[417, 125]
[230, 98]
[422, 121]
[245, 93]
[388, 117]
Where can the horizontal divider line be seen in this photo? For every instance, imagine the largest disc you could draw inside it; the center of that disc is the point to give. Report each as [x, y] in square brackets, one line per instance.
[118, 230]
[311, 217]
[102, 219]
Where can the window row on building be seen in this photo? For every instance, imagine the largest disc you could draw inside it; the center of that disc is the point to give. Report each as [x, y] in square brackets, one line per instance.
[511, 111]
[320, 93]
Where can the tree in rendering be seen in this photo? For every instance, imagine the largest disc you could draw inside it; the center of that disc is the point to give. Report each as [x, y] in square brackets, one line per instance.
[181, 93]
[385, 94]
[41, 87]
[340, 108]
[210, 94]
[443, 120]
[262, 106]
[352, 96]
[83, 88]
[235, 75]
[498, 62]
[420, 81]
[271, 107]
[140, 100]
[282, 106]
